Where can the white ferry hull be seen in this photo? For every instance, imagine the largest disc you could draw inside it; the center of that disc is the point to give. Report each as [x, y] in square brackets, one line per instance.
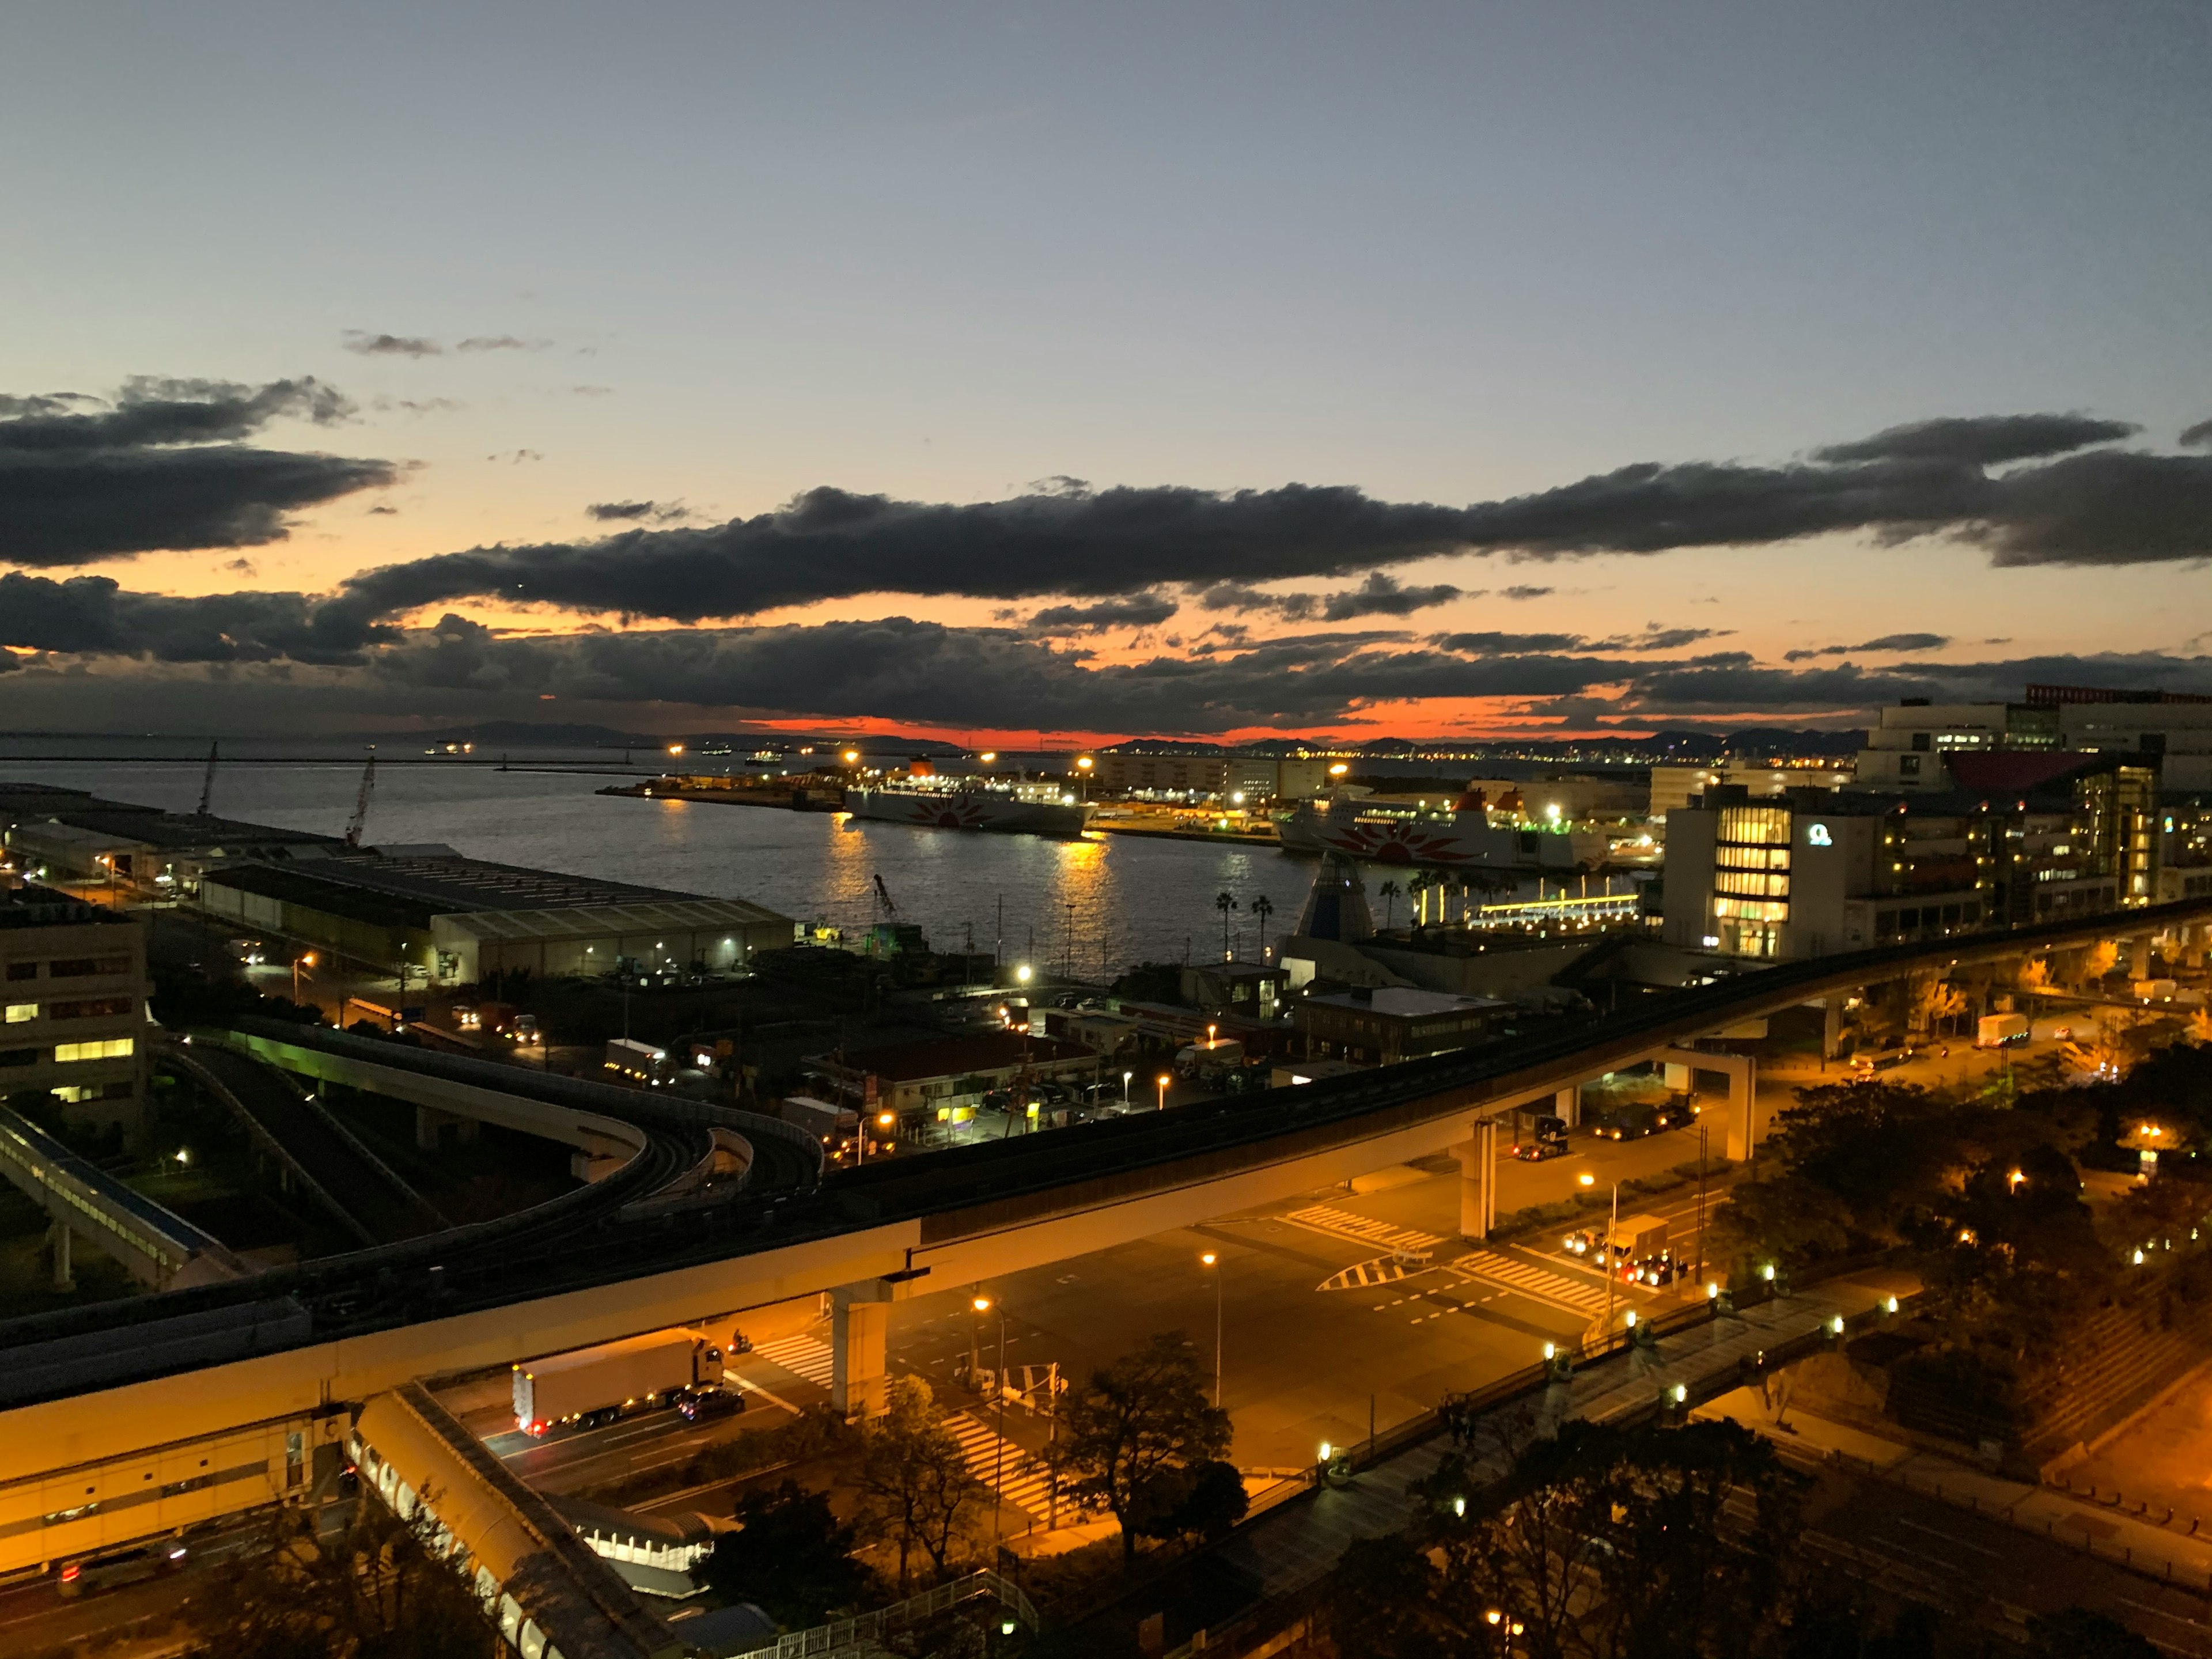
[967, 809]
[1445, 841]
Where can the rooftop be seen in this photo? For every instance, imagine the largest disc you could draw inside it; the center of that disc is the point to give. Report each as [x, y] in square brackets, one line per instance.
[958, 1056]
[41, 907]
[374, 886]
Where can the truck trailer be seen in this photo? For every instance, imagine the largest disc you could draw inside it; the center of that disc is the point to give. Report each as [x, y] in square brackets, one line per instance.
[1997, 1030]
[665, 1369]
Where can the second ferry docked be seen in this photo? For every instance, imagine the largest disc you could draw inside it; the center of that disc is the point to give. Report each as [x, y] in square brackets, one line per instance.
[1030, 808]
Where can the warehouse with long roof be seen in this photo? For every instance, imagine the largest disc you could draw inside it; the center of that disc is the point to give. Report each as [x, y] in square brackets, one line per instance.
[460, 920]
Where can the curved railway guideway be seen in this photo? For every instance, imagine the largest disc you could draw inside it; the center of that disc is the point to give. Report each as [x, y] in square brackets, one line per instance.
[372, 1322]
[349, 1180]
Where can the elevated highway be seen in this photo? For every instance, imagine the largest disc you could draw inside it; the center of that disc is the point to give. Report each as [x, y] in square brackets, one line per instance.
[372, 1322]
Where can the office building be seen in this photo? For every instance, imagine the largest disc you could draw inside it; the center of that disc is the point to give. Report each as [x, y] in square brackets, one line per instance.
[1673, 786]
[1910, 747]
[73, 978]
[2026, 837]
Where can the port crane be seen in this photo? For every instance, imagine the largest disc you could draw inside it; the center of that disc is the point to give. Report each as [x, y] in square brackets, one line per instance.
[354, 825]
[207, 779]
[884, 898]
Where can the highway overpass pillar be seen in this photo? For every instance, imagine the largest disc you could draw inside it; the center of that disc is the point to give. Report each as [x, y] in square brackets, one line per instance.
[1477, 1179]
[859, 1322]
[1746, 1117]
[57, 1236]
[1832, 1026]
[2139, 956]
[2192, 948]
[1567, 1105]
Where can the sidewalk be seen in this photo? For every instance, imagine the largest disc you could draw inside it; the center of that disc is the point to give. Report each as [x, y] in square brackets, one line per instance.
[2110, 1533]
[1292, 1548]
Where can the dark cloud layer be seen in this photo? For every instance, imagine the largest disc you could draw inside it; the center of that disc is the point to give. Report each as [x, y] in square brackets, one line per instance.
[1887, 642]
[1136, 610]
[2062, 502]
[93, 615]
[161, 467]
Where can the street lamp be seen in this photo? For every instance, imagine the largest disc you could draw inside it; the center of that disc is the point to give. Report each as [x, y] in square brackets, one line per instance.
[982, 1304]
[1126, 1077]
[1022, 972]
[1162, 1080]
[1213, 1260]
[298, 963]
[1083, 766]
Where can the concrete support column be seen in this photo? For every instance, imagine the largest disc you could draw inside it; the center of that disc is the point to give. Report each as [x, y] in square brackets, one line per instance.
[2192, 948]
[2139, 956]
[430, 1126]
[1832, 1026]
[57, 1237]
[860, 1383]
[1478, 1180]
[1746, 1118]
[1567, 1106]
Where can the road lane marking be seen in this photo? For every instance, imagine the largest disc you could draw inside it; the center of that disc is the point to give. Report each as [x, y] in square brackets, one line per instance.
[1363, 1229]
[805, 1357]
[1025, 1487]
[1549, 1288]
[1365, 1275]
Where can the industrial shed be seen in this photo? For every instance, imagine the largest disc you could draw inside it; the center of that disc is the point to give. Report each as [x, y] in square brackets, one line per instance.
[670, 935]
[460, 920]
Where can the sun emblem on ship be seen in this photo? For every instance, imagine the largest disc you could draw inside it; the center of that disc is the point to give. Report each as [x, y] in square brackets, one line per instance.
[1400, 843]
[963, 814]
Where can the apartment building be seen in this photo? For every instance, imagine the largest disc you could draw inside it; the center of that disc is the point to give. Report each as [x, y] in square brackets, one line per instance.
[73, 990]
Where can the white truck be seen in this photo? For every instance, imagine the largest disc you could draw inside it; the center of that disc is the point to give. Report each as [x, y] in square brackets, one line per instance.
[640, 1061]
[590, 1386]
[1196, 1060]
[833, 1125]
[2000, 1030]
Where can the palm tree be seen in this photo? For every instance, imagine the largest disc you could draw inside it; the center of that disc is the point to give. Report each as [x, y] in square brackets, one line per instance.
[1224, 903]
[1389, 892]
[1263, 907]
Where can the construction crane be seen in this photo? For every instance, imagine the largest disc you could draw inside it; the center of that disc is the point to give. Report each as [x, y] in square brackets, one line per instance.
[207, 780]
[884, 898]
[361, 804]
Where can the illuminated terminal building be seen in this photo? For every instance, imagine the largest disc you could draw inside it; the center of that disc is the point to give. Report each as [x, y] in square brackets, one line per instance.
[2024, 837]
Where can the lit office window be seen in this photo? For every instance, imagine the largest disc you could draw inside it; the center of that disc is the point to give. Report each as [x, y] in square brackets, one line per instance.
[21, 1012]
[107, 1048]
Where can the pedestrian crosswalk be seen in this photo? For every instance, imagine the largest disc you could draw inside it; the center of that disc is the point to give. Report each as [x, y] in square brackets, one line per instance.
[1555, 1289]
[995, 1461]
[1365, 1229]
[807, 1357]
[1365, 1275]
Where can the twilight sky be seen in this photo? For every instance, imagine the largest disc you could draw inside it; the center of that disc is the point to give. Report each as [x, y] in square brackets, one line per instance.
[1449, 369]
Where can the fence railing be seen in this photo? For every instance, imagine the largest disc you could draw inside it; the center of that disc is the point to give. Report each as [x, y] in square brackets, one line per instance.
[1958, 1495]
[842, 1637]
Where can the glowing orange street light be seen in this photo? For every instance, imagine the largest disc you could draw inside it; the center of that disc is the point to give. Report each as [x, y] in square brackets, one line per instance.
[1162, 1080]
[298, 963]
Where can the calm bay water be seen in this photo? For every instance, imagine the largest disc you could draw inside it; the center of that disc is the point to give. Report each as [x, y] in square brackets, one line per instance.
[1109, 899]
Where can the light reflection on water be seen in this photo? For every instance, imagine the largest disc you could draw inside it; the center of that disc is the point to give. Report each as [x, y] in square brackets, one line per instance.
[1132, 900]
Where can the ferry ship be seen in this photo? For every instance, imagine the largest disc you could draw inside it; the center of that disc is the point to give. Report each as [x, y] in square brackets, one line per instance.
[1453, 837]
[1025, 809]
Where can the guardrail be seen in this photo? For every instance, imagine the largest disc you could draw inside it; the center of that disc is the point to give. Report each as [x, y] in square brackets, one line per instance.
[848, 1638]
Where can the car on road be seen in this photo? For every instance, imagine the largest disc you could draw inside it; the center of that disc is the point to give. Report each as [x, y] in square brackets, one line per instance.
[704, 1404]
[90, 1574]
